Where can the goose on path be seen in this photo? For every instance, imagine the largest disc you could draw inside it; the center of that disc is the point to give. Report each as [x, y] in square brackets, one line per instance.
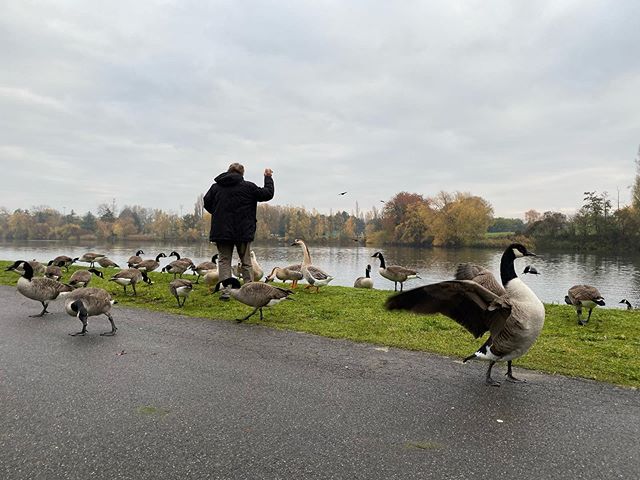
[514, 319]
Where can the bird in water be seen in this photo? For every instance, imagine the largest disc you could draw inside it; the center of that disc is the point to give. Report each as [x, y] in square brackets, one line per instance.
[627, 303]
[513, 314]
[531, 270]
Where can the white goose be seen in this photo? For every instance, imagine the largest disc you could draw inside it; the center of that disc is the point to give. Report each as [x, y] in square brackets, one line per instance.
[314, 276]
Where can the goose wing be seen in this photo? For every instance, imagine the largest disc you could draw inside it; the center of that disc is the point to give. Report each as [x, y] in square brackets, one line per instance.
[317, 273]
[583, 292]
[398, 270]
[480, 275]
[471, 305]
[268, 291]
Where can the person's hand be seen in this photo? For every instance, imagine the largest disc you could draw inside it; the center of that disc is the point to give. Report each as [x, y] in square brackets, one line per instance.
[268, 172]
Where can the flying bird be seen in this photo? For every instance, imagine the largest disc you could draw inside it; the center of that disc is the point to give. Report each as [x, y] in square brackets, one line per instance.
[342, 193]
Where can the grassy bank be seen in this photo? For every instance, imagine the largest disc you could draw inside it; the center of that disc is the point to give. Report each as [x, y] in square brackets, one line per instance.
[607, 349]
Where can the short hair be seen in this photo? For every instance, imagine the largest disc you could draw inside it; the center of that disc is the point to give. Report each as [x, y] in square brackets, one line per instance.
[236, 168]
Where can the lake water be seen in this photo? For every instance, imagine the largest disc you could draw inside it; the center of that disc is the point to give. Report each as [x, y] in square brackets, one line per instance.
[616, 277]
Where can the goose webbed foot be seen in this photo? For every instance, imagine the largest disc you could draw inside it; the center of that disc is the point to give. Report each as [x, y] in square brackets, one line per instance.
[510, 377]
[240, 320]
[79, 334]
[108, 334]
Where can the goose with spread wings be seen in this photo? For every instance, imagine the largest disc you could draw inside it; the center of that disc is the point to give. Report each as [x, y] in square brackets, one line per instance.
[511, 312]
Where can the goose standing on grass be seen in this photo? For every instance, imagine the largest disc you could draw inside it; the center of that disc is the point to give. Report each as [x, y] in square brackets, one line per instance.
[38, 268]
[627, 302]
[88, 302]
[105, 262]
[513, 319]
[255, 294]
[314, 276]
[584, 296]
[186, 260]
[204, 267]
[53, 270]
[64, 261]
[366, 281]
[150, 265]
[90, 258]
[41, 289]
[180, 288]
[211, 278]
[130, 277]
[292, 272]
[135, 259]
[256, 269]
[395, 273]
[81, 278]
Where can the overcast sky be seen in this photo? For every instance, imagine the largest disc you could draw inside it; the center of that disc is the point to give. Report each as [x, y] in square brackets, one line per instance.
[526, 104]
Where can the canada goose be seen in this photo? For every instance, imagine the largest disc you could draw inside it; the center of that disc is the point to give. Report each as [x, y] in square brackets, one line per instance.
[254, 294]
[53, 270]
[180, 287]
[81, 278]
[38, 268]
[627, 302]
[88, 302]
[105, 262]
[531, 269]
[314, 276]
[584, 296]
[130, 276]
[366, 281]
[41, 289]
[177, 267]
[186, 260]
[90, 258]
[395, 273]
[292, 272]
[135, 259]
[204, 267]
[513, 319]
[65, 260]
[150, 265]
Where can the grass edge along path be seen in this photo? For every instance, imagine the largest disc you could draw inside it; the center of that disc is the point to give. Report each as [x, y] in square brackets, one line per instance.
[607, 349]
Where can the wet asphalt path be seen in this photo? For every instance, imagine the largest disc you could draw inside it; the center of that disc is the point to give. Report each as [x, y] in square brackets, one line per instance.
[195, 398]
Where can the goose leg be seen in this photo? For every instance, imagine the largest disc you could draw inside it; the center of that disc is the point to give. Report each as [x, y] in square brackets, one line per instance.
[395, 286]
[589, 316]
[245, 318]
[488, 380]
[579, 313]
[41, 314]
[133, 285]
[178, 299]
[113, 327]
[81, 332]
[510, 377]
[261, 318]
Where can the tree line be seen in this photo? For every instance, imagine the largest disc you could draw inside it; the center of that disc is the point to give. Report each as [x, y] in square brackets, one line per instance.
[444, 220]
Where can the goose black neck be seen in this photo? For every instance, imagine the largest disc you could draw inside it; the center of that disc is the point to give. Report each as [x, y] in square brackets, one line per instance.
[382, 264]
[507, 269]
[366, 272]
[28, 270]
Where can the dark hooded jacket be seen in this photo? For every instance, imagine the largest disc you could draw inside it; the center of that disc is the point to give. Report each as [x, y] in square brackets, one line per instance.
[232, 203]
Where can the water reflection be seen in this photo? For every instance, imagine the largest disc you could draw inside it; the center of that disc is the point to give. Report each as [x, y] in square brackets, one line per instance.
[616, 277]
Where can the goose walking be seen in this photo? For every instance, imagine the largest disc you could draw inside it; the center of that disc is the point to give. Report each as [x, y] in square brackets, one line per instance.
[291, 272]
[395, 273]
[53, 270]
[135, 259]
[255, 294]
[584, 296]
[150, 265]
[88, 302]
[186, 260]
[204, 267]
[64, 261]
[514, 319]
[130, 277]
[41, 289]
[180, 288]
[81, 278]
[91, 258]
[314, 276]
[366, 281]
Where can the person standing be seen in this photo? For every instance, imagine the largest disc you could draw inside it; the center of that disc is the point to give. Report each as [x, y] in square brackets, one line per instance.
[232, 202]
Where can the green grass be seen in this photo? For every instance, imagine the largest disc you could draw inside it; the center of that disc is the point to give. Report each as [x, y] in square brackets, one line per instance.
[607, 349]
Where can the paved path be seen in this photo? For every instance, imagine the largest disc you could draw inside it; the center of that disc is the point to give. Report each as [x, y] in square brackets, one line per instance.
[195, 398]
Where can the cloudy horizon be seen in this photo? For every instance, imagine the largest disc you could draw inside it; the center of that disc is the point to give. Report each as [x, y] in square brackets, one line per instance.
[526, 104]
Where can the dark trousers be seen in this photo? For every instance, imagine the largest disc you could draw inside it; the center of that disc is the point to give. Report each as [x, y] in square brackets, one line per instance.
[225, 255]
